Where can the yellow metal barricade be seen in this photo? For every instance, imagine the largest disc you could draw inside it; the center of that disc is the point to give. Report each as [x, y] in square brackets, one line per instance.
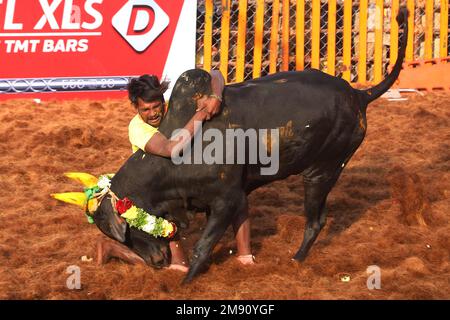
[353, 39]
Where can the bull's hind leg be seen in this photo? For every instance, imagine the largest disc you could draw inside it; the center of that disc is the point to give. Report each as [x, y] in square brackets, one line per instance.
[223, 212]
[315, 198]
[316, 193]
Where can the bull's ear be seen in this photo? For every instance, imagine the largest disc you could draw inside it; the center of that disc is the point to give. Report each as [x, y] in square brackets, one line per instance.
[110, 223]
[119, 228]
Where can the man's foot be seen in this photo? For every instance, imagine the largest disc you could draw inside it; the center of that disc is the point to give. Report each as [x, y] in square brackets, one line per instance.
[178, 267]
[246, 260]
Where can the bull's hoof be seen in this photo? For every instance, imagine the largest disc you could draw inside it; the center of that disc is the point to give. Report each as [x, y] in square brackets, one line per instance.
[187, 280]
[299, 257]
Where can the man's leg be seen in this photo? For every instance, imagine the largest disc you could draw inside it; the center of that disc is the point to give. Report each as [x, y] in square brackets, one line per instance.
[107, 249]
[241, 227]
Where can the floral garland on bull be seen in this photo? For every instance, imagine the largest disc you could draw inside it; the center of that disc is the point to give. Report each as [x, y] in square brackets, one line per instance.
[95, 191]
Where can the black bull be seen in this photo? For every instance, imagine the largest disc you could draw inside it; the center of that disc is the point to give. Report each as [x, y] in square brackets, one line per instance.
[328, 123]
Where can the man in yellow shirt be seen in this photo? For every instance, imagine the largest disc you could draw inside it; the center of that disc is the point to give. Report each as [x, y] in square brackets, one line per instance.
[146, 95]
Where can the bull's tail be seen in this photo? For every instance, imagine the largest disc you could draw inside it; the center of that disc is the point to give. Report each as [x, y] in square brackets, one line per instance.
[376, 91]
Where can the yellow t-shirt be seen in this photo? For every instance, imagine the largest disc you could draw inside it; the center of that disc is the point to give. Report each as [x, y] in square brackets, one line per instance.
[140, 133]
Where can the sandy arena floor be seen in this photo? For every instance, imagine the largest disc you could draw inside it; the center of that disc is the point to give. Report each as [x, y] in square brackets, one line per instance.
[401, 168]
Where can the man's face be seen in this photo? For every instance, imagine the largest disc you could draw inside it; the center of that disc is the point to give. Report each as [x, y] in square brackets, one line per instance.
[151, 112]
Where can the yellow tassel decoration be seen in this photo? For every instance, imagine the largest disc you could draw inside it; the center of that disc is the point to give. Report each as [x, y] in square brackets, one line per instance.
[86, 179]
[76, 198]
[92, 205]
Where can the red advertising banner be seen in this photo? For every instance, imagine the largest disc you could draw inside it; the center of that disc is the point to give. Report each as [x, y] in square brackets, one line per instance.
[91, 45]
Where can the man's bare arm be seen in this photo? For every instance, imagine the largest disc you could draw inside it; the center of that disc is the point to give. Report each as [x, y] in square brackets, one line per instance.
[207, 107]
[217, 83]
[160, 145]
[212, 103]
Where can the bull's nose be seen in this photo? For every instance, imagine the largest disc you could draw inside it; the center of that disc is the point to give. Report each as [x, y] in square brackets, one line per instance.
[159, 260]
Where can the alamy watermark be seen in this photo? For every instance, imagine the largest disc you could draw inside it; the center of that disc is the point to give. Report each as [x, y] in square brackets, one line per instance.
[73, 282]
[374, 279]
[236, 146]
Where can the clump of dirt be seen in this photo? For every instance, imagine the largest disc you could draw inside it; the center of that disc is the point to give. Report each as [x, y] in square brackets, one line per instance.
[408, 190]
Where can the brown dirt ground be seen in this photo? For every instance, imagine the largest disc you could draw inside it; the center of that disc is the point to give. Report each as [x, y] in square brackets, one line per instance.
[401, 169]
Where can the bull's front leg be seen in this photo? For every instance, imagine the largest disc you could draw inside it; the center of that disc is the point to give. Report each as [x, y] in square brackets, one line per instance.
[223, 211]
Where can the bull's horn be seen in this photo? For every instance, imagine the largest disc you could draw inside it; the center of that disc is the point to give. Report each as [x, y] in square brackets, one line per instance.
[86, 179]
[76, 198]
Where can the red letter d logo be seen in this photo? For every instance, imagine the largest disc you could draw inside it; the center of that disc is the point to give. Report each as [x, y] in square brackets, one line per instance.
[140, 22]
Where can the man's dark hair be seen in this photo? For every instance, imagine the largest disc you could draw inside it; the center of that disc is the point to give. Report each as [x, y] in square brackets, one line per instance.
[146, 87]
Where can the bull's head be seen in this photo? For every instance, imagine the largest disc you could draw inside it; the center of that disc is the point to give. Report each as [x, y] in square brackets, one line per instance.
[154, 251]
